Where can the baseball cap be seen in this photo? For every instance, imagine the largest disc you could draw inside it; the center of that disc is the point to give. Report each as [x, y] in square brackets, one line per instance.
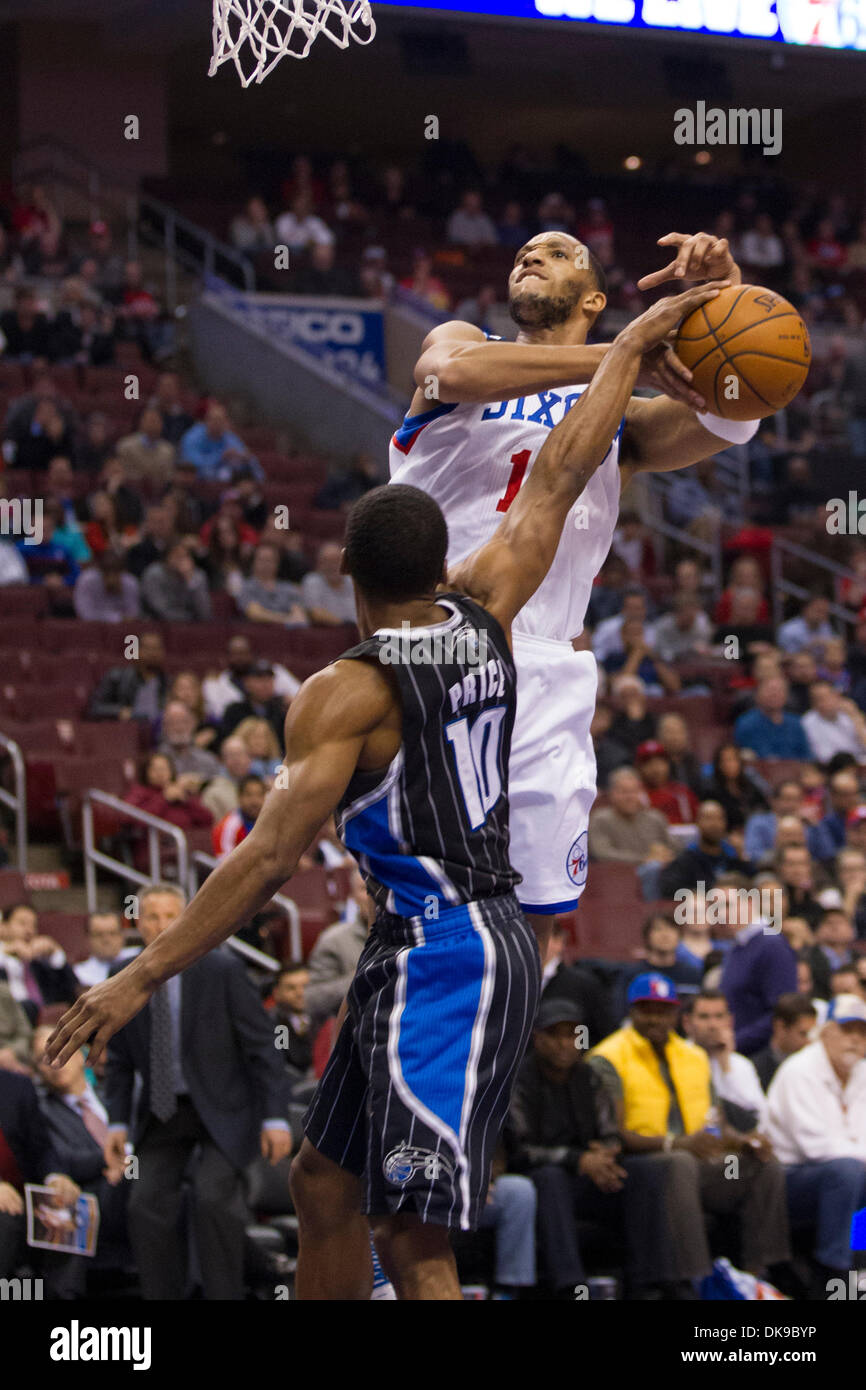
[260, 668]
[558, 1010]
[650, 748]
[652, 986]
[846, 1008]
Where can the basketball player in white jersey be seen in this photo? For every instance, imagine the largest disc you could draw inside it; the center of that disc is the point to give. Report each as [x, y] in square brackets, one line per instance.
[481, 412]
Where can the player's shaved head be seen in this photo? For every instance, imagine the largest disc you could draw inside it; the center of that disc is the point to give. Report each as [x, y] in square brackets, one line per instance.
[396, 543]
[553, 273]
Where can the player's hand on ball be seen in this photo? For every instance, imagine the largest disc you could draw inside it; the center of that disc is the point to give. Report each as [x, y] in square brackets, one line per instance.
[652, 326]
[698, 257]
[663, 371]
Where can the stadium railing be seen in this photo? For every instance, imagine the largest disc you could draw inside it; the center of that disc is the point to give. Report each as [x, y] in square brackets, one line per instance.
[783, 549]
[209, 861]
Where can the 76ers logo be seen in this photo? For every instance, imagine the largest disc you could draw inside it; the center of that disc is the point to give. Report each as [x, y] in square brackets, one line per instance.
[575, 864]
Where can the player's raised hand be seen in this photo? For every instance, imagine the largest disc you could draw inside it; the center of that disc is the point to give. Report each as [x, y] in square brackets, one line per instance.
[655, 323]
[701, 256]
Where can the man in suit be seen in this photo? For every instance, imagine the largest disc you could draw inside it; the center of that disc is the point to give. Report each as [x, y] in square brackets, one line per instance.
[34, 965]
[77, 1124]
[794, 1019]
[211, 1080]
[290, 1014]
[260, 702]
[26, 1156]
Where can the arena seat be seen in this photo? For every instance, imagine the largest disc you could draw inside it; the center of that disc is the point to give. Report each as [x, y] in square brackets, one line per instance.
[26, 701]
[13, 888]
[611, 911]
[776, 770]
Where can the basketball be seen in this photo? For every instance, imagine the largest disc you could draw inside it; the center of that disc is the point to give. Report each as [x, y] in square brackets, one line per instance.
[749, 352]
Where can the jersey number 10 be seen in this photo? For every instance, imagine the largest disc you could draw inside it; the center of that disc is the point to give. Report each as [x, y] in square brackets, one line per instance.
[476, 755]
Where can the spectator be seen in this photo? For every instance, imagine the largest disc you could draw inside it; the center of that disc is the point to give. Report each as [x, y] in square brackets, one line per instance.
[290, 1014]
[802, 671]
[739, 792]
[326, 592]
[817, 1125]
[562, 981]
[482, 308]
[639, 658]
[35, 966]
[12, 567]
[260, 702]
[762, 826]
[163, 792]
[107, 264]
[698, 948]
[759, 967]
[851, 878]
[225, 554]
[609, 752]
[376, 280]
[662, 951]
[662, 1086]
[562, 1131]
[105, 531]
[77, 1124]
[704, 858]
[794, 1018]
[797, 874]
[607, 638]
[146, 456]
[760, 248]
[167, 400]
[43, 437]
[344, 488]
[140, 318]
[212, 447]
[252, 230]
[627, 831]
[300, 229]
[263, 748]
[512, 230]
[179, 743]
[810, 631]
[824, 250]
[768, 730]
[263, 598]
[854, 386]
[175, 590]
[26, 1156]
[222, 690]
[633, 724]
[54, 560]
[424, 285]
[677, 803]
[707, 1021]
[221, 794]
[834, 937]
[236, 825]
[745, 573]
[16, 1031]
[335, 955]
[25, 333]
[105, 593]
[214, 1093]
[156, 540]
[834, 725]
[684, 632]
[105, 939]
[135, 690]
[469, 225]
[321, 276]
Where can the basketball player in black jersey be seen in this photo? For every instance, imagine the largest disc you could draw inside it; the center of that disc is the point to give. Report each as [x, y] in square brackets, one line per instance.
[413, 755]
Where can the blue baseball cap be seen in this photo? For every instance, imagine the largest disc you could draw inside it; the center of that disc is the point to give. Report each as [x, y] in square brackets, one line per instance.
[651, 986]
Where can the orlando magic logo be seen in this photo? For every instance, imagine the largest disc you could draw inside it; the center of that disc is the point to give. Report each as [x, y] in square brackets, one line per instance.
[575, 862]
[403, 1162]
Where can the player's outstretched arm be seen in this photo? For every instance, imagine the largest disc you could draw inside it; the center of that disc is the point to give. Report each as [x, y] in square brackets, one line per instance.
[503, 574]
[330, 722]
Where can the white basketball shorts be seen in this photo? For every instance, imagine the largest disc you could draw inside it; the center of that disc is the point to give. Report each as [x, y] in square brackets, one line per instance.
[552, 771]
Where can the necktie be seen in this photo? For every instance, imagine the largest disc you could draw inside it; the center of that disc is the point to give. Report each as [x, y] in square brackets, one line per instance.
[163, 1101]
[34, 993]
[93, 1121]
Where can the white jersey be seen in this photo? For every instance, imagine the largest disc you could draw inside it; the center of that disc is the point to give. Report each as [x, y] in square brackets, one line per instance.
[473, 459]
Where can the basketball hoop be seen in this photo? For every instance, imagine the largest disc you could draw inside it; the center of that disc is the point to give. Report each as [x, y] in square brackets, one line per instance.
[256, 34]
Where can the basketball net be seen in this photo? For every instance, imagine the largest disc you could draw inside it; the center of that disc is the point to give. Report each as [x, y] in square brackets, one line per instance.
[256, 34]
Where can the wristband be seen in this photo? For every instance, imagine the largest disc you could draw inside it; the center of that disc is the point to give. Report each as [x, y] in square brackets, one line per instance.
[734, 431]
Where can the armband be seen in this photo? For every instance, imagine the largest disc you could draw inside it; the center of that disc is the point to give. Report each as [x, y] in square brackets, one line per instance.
[734, 431]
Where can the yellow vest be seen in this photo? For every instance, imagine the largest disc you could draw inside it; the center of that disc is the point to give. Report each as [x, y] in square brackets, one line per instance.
[646, 1096]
